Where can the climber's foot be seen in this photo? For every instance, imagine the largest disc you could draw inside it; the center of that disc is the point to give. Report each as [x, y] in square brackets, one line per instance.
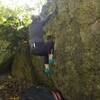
[52, 61]
[48, 71]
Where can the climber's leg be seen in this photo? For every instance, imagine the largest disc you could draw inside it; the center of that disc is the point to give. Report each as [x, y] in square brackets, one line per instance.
[50, 49]
[46, 62]
[48, 58]
[44, 49]
[48, 71]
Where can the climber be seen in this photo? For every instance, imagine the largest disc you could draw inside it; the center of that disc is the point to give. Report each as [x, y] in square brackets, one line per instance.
[37, 44]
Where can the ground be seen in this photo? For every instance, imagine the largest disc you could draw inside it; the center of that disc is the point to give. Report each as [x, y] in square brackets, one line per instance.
[11, 87]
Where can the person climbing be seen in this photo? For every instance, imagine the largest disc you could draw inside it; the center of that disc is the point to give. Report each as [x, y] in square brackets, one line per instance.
[37, 44]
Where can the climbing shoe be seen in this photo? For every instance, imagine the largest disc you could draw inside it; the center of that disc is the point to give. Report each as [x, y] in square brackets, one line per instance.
[48, 71]
[52, 61]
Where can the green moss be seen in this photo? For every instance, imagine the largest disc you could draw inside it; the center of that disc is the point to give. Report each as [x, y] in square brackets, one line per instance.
[86, 14]
[77, 49]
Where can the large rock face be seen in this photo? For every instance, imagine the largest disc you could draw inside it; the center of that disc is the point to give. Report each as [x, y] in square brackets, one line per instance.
[77, 32]
[77, 51]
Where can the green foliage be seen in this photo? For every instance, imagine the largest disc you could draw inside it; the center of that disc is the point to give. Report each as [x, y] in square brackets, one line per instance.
[12, 30]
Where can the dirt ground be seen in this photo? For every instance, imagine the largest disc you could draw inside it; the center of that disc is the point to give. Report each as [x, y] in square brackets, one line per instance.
[12, 88]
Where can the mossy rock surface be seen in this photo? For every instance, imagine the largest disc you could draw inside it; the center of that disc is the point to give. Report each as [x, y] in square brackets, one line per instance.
[77, 48]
